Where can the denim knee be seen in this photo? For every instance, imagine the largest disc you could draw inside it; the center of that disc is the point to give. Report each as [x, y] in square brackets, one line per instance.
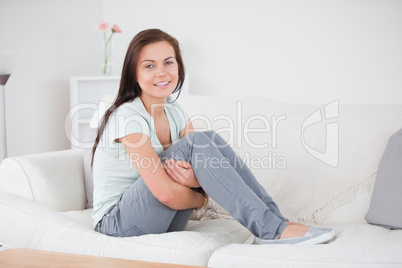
[216, 138]
[198, 140]
[210, 133]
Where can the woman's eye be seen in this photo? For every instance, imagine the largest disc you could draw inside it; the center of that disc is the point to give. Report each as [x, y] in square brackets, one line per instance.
[149, 66]
[169, 62]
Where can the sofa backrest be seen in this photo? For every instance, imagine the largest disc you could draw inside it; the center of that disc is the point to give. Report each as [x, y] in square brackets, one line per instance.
[313, 159]
[54, 179]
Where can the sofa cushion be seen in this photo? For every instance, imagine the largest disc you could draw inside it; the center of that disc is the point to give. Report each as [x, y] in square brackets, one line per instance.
[70, 232]
[83, 217]
[386, 201]
[312, 159]
[356, 245]
[54, 179]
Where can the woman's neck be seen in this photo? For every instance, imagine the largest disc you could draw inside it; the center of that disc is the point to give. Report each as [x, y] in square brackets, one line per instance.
[154, 106]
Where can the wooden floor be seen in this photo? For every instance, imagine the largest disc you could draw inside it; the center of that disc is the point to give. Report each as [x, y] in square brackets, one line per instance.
[15, 258]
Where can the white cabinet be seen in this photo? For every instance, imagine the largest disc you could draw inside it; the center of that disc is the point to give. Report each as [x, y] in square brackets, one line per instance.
[85, 94]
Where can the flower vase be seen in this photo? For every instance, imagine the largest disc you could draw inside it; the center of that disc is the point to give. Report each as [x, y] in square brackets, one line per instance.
[107, 57]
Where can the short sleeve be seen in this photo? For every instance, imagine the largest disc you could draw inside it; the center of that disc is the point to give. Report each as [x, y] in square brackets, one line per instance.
[126, 121]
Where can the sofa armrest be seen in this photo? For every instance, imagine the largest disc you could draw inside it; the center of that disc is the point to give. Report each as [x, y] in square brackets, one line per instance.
[54, 179]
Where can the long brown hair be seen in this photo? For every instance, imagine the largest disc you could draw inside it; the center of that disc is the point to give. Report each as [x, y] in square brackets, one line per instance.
[129, 88]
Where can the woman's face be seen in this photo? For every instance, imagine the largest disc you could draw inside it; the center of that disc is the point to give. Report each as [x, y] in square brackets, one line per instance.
[157, 70]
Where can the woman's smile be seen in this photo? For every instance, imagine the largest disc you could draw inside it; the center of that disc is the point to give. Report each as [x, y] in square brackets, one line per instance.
[162, 85]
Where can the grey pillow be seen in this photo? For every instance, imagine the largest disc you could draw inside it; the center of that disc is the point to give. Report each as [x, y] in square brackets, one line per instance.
[386, 202]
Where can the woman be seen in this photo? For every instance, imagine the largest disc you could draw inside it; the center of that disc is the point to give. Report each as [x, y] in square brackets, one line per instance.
[151, 169]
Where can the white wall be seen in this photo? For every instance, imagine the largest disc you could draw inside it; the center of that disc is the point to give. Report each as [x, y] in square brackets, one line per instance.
[296, 51]
[59, 40]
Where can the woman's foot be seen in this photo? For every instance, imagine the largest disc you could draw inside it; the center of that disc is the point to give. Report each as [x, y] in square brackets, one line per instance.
[297, 233]
[294, 229]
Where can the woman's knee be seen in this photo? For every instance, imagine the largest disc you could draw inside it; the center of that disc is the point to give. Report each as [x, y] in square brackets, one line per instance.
[212, 134]
[209, 133]
[198, 136]
[205, 139]
[198, 139]
[216, 138]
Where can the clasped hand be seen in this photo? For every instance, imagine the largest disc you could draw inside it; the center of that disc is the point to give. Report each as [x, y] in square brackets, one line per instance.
[181, 172]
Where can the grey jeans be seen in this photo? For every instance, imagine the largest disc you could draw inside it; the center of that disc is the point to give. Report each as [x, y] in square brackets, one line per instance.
[223, 176]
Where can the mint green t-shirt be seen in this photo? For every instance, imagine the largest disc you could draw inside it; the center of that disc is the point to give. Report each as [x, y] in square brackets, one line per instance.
[113, 170]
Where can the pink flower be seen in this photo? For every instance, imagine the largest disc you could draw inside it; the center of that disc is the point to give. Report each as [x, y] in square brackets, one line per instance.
[116, 29]
[104, 26]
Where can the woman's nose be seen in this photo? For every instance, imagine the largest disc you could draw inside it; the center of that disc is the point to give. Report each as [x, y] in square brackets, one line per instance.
[161, 71]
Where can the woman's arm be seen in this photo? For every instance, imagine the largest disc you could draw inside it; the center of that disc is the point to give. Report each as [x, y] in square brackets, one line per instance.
[181, 172]
[151, 169]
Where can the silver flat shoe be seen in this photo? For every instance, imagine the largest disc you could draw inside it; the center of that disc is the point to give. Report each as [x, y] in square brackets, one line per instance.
[314, 235]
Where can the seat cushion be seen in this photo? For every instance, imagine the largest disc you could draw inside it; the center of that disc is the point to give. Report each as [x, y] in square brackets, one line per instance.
[356, 245]
[30, 225]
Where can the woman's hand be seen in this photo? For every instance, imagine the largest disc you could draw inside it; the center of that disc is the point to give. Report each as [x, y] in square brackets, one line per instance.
[181, 172]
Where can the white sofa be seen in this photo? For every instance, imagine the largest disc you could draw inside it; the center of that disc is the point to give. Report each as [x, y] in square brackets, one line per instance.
[319, 163]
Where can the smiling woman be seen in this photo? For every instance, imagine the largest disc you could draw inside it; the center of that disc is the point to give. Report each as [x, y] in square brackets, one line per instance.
[142, 117]
[157, 75]
[151, 169]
